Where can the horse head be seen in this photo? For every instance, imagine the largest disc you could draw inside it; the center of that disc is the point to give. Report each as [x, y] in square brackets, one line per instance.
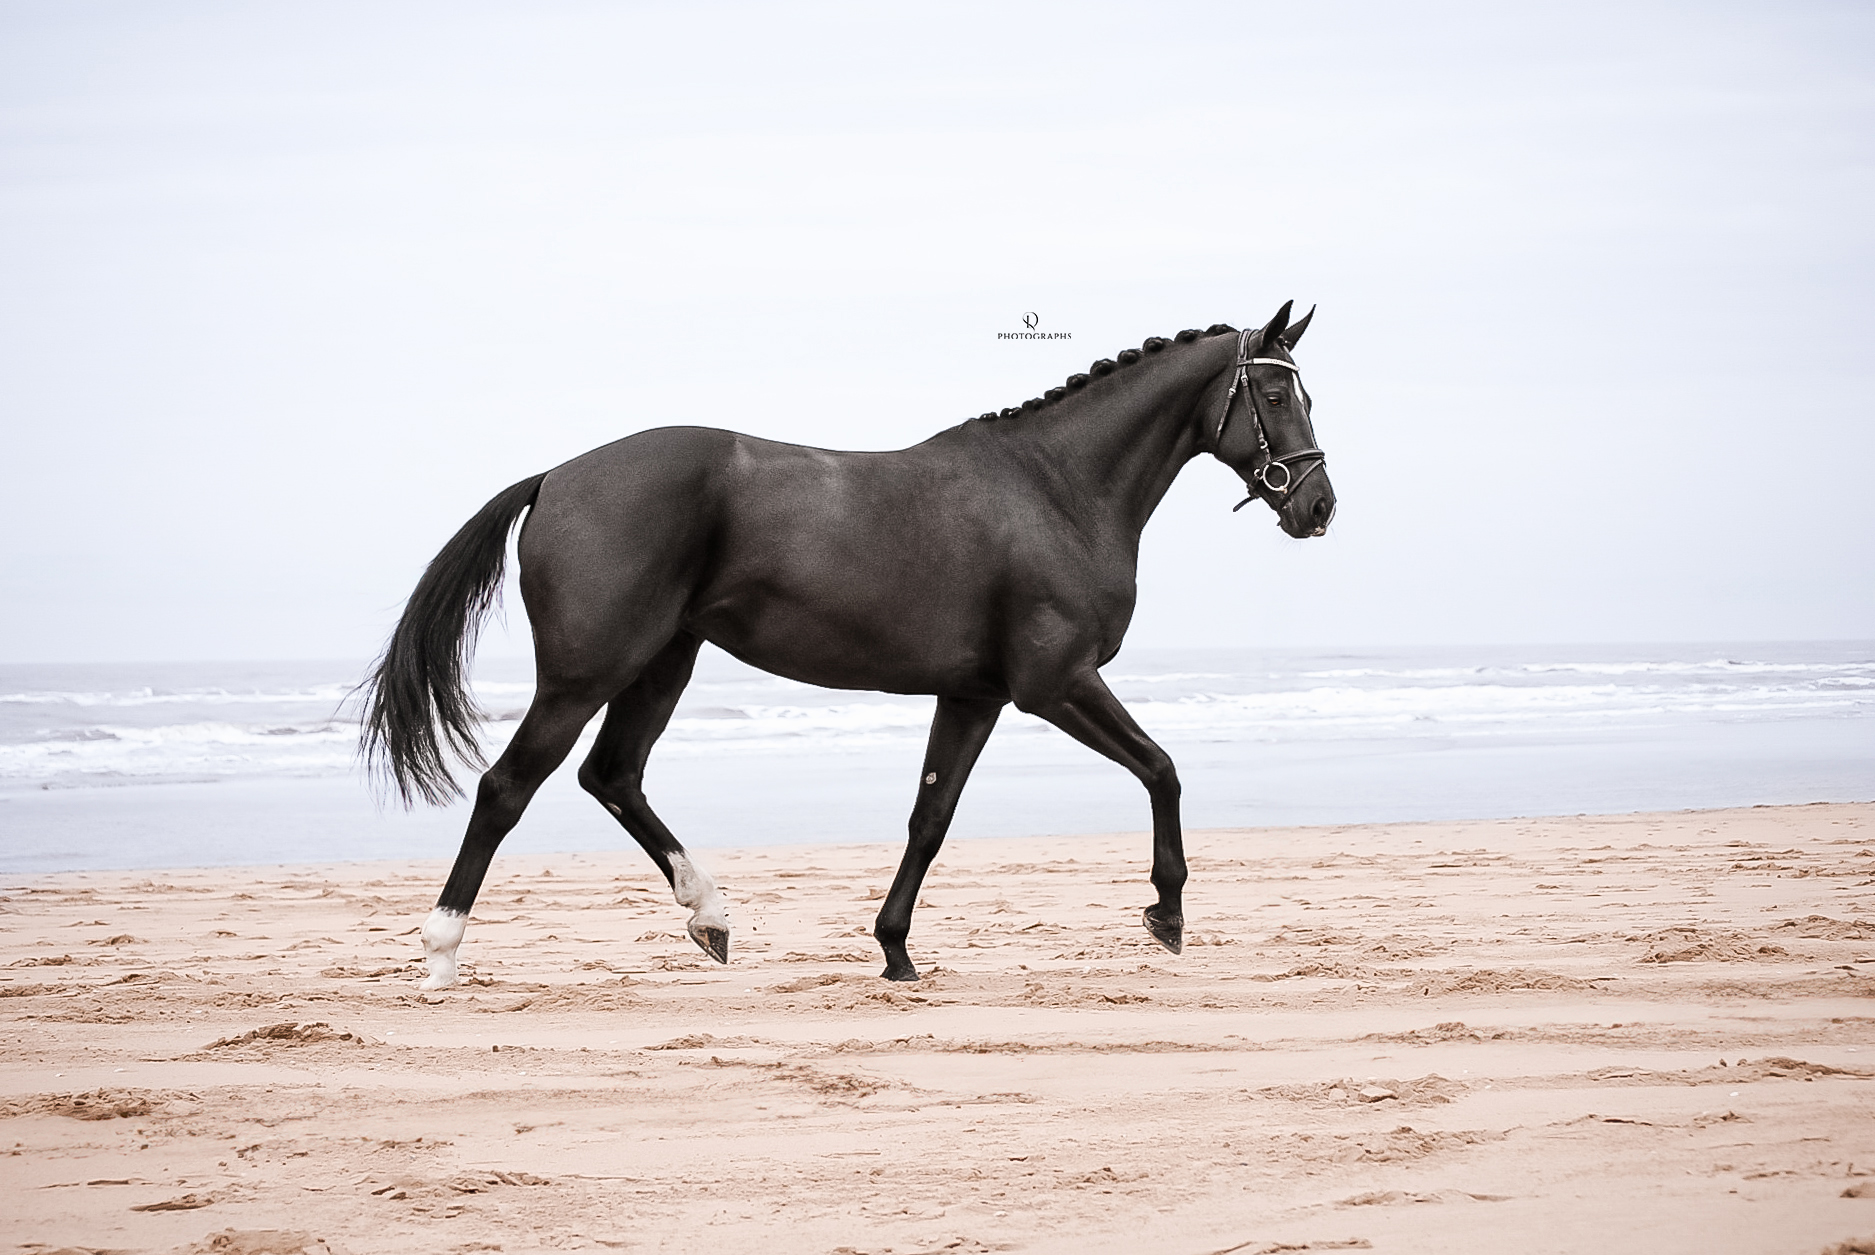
[1264, 432]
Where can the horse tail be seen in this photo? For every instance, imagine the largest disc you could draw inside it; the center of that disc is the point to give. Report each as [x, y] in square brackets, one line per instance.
[418, 709]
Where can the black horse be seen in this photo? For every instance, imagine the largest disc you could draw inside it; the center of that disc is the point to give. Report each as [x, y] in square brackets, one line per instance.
[993, 563]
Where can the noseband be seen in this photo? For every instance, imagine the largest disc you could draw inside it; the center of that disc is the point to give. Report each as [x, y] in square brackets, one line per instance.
[1271, 461]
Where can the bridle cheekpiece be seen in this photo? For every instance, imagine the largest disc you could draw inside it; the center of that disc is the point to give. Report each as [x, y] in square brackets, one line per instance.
[1261, 474]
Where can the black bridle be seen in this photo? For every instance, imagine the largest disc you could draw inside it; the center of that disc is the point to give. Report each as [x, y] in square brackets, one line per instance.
[1271, 461]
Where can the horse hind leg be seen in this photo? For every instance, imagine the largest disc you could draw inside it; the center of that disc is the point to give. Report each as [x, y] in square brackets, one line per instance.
[614, 773]
[546, 735]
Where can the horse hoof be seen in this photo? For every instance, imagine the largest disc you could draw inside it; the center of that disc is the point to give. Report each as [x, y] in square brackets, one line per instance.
[1169, 933]
[713, 940]
[900, 971]
[437, 980]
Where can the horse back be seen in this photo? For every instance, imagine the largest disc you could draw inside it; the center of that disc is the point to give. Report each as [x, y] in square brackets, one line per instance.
[897, 571]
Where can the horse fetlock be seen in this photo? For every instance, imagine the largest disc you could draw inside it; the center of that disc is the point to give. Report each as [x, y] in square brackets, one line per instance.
[898, 964]
[709, 913]
[441, 934]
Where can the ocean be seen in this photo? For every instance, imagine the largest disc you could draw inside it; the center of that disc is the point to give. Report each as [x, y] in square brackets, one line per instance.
[208, 764]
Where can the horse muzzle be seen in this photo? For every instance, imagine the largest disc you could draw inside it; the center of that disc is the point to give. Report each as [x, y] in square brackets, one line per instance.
[1307, 513]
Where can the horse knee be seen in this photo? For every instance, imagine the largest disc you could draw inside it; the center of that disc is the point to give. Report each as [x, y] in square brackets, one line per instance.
[926, 832]
[1160, 777]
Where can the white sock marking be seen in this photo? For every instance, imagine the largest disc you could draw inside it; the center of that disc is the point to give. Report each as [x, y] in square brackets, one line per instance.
[442, 933]
[693, 887]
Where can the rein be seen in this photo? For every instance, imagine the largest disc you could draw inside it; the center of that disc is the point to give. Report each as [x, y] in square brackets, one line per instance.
[1271, 461]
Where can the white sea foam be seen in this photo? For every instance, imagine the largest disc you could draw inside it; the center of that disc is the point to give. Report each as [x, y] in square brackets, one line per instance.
[1717, 666]
[188, 750]
[331, 695]
[77, 733]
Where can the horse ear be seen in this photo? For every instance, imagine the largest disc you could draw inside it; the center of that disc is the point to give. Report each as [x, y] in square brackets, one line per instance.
[1274, 327]
[1294, 333]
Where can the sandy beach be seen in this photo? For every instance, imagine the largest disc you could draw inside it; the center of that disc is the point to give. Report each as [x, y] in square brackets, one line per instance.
[1638, 1033]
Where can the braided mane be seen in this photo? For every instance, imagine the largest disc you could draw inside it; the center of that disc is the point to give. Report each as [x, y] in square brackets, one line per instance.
[1105, 366]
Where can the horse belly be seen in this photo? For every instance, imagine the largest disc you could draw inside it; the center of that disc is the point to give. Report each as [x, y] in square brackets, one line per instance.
[857, 570]
[833, 616]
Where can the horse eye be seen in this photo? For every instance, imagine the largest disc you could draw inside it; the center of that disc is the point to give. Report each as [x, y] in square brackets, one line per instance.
[1276, 398]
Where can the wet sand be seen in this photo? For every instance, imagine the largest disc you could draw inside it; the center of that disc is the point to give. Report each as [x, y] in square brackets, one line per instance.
[1641, 1033]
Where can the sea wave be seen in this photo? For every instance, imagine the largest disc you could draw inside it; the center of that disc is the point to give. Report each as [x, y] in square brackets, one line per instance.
[335, 696]
[331, 694]
[1714, 667]
[1318, 712]
[73, 734]
[188, 749]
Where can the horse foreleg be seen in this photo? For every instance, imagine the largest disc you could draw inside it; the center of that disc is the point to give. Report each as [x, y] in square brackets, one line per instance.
[958, 732]
[614, 773]
[1088, 711]
[545, 736]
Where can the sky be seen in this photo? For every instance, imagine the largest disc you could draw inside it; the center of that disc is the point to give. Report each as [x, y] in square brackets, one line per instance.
[288, 291]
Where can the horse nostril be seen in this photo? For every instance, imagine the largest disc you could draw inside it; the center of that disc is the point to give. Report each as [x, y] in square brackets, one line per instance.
[1322, 510]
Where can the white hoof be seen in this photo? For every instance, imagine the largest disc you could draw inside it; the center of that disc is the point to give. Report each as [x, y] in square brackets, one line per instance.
[442, 933]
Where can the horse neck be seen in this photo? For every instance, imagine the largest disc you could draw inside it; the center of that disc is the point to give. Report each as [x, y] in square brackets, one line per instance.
[1118, 443]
